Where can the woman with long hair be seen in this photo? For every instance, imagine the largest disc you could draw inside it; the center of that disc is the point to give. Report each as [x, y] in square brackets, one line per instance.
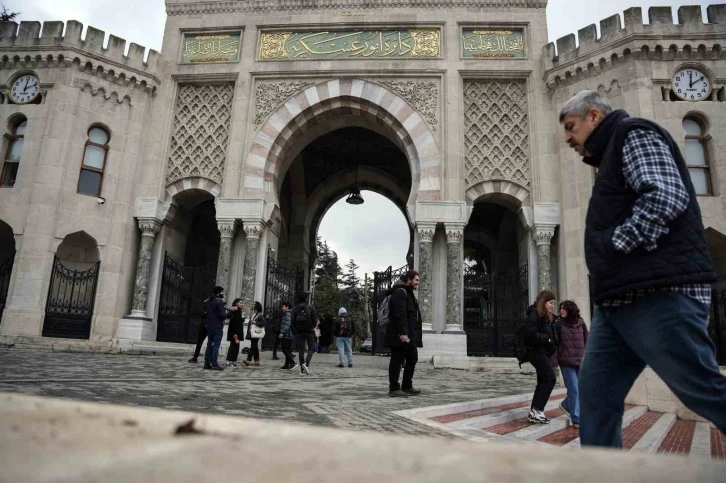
[540, 342]
[571, 332]
[255, 332]
[235, 332]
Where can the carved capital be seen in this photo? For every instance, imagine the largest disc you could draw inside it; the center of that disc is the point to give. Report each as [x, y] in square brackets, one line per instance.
[454, 233]
[226, 228]
[543, 234]
[426, 232]
[253, 229]
[149, 226]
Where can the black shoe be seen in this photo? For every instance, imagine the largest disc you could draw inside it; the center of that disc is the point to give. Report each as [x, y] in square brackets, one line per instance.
[285, 367]
[350, 365]
[275, 358]
[217, 367]
[207, 366]
[411, 391]
[193, 360]
[341, 365]
[397, 393]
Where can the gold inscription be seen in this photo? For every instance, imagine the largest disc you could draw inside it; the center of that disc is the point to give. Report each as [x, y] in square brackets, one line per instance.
[211, 48]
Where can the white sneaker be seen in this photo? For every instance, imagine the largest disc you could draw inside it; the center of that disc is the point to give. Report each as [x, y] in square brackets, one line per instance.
[305, 369]
[228, 364]
[543, 417]
[537, 417]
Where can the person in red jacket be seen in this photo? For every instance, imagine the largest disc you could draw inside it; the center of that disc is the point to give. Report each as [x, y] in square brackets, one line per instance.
[571, 334]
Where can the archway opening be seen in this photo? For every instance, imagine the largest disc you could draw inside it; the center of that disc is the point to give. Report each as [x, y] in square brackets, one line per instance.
[496, 248]
[7, 257]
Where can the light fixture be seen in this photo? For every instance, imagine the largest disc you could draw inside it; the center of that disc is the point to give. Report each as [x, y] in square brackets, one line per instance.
[100, 200]
[354, 198]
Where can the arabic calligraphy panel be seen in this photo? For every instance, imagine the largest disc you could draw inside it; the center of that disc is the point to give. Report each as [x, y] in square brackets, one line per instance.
[349, 44]
[492, 44]
[211, 47]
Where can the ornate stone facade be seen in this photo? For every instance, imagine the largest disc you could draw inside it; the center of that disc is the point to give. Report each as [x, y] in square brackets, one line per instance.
[269, 95]
[426, 256]
[201, 132]
[423, 95]
[149, 229]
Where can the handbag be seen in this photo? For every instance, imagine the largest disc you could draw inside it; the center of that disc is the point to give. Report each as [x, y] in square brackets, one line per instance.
[256, 332]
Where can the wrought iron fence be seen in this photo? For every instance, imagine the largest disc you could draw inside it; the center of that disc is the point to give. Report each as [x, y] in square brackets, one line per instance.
[71, 297]
[6, 269]
[282, 285]
[382, 282]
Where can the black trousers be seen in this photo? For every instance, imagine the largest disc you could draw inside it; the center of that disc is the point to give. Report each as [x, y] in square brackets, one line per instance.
[201, 336]
[287, 350]
[300, 341]
[276, 344]
[546, 380]
[233, 352]
[254, 350]
[408, 353]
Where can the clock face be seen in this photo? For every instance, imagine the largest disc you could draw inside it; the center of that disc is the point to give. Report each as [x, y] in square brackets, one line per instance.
[691, 85]
[24, 89]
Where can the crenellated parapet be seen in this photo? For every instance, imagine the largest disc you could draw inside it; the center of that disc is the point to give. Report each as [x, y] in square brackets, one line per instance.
[573, 58]
[23, 46]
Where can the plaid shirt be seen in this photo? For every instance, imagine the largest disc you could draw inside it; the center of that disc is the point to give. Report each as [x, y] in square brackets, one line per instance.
[650, 170]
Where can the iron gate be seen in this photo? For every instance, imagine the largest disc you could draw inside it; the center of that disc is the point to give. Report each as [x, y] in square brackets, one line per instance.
[717, 324]
[181, 308]
[71, 296]
[382, 282]
[282, 285]
[6, 269]
[494, 306]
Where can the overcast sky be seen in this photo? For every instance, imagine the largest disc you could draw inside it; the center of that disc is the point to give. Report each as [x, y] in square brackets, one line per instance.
[374, 234]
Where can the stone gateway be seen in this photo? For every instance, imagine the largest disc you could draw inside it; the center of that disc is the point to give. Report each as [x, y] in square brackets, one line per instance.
[133, 182]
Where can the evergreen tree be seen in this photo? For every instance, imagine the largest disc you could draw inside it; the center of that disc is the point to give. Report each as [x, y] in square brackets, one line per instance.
[327, 271]
[6, 16]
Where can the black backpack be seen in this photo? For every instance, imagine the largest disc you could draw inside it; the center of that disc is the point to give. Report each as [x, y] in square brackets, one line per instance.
[302, 319]
[521, 351]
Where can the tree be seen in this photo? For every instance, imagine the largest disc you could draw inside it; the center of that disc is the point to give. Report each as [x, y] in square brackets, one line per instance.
[327, 271]
[6, 16]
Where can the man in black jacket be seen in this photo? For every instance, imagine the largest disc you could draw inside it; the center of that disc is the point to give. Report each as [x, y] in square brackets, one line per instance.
[403, 334]
[651, 269]
[215, 315]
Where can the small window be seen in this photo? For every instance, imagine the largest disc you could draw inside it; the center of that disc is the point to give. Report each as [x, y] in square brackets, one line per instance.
[94, 162]
[697, 155]
[13, 152]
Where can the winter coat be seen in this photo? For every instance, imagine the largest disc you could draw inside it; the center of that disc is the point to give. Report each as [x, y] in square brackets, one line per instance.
[344, 327]
[236, 325]
[258, 319]
[313, 320]
[215, 313]
[326, 331]
[286, 326]
[572, 341]
[539, 338]
[405, 317]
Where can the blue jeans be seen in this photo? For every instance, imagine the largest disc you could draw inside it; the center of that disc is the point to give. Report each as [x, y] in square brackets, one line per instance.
[345, 345]
[667, 331]
[214, 340]
[572, 401]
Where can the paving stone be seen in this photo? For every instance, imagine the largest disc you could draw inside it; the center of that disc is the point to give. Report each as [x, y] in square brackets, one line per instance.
[718, 444]
[679, 438]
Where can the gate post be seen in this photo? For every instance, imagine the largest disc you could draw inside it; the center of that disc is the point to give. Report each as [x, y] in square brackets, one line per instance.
[226, 231]
[425, 262]
[253, 231]
[543, 234]
[454, 237]
[149, 228]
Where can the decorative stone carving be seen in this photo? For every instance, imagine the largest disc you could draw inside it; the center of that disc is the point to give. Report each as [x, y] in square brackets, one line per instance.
[454, 237]
[201, 132]
[423, 95]
[149, 228]
[426, 233]
[496, 139]
[226, 230]
[269, 95]
[454, 234]
[272, 45]
[543, 238]
[253, 232]
[425, 256]
[428, 43]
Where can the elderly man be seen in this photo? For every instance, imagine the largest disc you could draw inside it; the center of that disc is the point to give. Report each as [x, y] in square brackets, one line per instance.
[651, 268]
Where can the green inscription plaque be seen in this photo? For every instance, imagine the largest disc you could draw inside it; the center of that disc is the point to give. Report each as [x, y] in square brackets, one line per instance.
[222, 47]
[358, 44]
[492, 44]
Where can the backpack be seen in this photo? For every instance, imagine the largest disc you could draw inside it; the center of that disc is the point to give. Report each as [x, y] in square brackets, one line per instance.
[521, 351]
[344, 328]
[301, 319]
[384, 311]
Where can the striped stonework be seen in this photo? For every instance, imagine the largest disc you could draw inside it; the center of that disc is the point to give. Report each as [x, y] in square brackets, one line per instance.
[267, 161]
[195, 183]
[513, 193]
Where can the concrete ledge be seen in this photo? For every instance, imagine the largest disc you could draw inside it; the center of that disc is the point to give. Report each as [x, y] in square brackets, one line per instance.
[503, 365]
[83, 442]
[442, 345]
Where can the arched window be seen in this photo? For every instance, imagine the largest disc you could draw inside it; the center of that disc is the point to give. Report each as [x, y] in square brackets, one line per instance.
[697, 155]
[14, 149]
[94, 161]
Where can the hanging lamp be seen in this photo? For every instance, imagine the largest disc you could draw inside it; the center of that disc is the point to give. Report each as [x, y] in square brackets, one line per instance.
[354, 198]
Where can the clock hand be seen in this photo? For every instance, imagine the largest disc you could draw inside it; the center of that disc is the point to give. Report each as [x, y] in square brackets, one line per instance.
[26, 85]
[690, 78]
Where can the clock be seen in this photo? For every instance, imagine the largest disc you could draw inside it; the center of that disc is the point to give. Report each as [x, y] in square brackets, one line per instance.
[691, 84]
[25, 89]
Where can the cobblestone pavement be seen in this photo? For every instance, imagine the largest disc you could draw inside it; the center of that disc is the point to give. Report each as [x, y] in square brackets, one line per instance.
[353, 398]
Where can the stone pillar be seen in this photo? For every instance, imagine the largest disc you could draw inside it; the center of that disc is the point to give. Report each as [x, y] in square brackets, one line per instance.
[253, 230]
[425, 267]
[454, 237]
[149, 228]
[543, 234]
[226, 231]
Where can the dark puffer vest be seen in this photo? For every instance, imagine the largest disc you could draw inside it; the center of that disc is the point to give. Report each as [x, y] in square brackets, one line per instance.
[682, 255]
[572, 341]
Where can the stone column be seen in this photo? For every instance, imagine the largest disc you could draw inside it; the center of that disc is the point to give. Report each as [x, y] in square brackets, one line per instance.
[543, 234]
[454, 237]
[252, 233]
[149, 228]
[425, 267]
[226, 231]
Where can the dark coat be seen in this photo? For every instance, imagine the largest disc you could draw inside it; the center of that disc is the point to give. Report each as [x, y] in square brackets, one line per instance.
[286, 326]
[572, 339]
[236, 325]
[405, 317]
[215, 313]
[326, 331]
[258, 319]
[313, 320]
[539, 338]
[339, 324]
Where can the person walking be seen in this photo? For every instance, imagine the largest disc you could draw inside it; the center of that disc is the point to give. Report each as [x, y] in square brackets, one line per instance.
[344, 331]
[275, 327]
[201, 335]
[215, 314]
[540, 342]
[235, 332]
[326, 334]
[651, 269]
[286, 336]
[403, 334]
[255, 333]
[304, 321]
[571, 334]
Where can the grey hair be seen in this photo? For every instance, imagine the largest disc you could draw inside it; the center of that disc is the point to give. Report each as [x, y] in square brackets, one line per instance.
[583, 102]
